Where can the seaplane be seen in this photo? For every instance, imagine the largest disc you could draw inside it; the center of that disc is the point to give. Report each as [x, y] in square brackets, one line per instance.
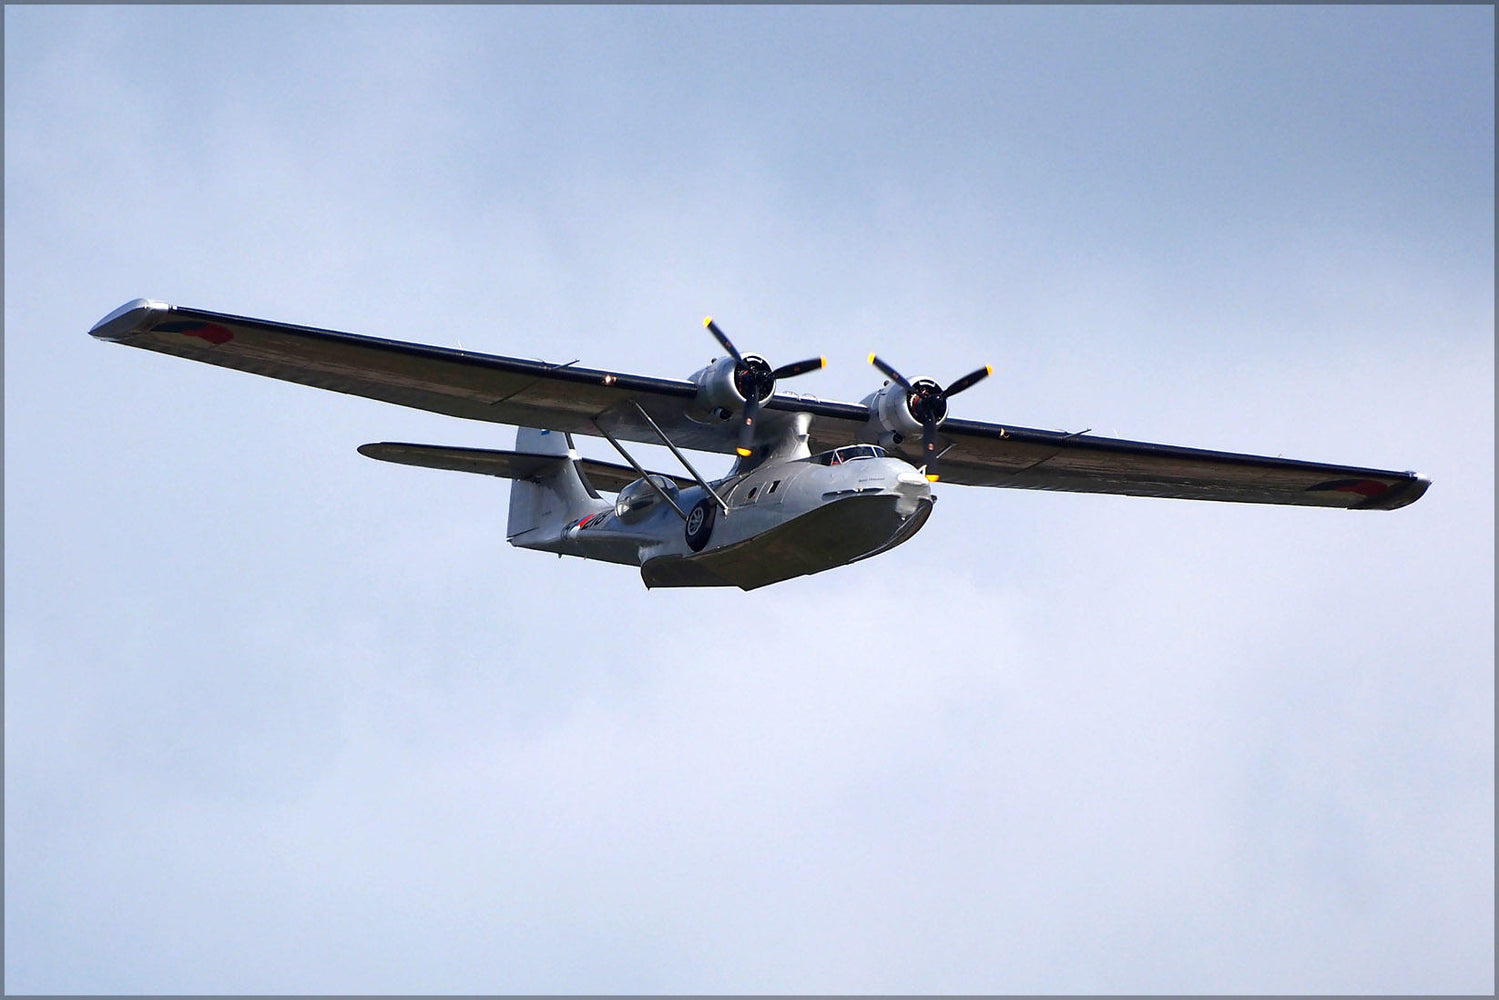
[815, 484]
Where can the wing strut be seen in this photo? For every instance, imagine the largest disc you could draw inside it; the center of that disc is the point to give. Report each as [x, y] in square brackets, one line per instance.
[680, 457]
[643, 474]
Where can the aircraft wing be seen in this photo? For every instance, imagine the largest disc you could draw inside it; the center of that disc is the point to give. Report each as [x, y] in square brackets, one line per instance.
[974, 453]
[439, 379]
[581, 401]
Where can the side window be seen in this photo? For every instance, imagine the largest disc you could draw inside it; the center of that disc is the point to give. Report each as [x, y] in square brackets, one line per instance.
[751, 495]
[773, 486]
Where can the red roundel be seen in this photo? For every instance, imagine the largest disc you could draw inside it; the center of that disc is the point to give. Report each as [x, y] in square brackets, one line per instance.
[211, 332]
[1364, 487]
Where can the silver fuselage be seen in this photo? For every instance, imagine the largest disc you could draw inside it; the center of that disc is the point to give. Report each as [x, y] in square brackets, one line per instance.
[782, 519]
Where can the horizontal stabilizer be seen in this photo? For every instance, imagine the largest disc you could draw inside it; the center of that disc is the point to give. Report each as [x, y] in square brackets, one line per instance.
[604, 476]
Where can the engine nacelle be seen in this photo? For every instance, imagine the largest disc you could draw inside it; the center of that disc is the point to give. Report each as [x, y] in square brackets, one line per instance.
[894, 414]
[724, 386]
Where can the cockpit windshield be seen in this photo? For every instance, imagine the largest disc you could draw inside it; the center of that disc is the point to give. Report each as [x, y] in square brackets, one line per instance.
[854, 451]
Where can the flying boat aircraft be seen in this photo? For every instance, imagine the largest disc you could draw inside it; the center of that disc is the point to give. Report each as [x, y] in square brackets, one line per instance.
[815, 484]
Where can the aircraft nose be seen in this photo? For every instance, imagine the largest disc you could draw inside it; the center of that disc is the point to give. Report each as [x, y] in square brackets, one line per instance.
[910, 483]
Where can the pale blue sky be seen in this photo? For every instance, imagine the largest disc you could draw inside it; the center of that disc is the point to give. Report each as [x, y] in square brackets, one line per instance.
[283, 719]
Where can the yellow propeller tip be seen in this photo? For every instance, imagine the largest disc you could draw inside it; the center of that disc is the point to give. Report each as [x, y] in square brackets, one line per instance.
[822, 362]
[989, 369]
[931, 477]
[871, 359]
[707, 321]
[744, 452]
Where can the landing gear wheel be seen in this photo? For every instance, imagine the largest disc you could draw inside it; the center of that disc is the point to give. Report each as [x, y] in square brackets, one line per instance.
[700, 523]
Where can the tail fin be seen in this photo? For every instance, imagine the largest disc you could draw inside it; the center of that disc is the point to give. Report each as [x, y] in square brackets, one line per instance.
[540, 507]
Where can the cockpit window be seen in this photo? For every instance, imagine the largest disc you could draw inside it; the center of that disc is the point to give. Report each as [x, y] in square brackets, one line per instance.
[854, 451]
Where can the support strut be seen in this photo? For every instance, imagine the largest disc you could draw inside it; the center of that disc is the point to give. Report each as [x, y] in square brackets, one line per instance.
[680, 457]
[643, 474]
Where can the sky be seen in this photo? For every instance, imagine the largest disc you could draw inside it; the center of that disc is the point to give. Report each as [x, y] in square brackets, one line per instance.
[279, 718]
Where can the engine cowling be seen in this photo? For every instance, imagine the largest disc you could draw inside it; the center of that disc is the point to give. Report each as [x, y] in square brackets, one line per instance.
[740, 380]
[903, 406]
[896, 414]
[726, 384]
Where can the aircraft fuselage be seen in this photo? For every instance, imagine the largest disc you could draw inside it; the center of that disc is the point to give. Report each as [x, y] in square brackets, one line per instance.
[783, 519]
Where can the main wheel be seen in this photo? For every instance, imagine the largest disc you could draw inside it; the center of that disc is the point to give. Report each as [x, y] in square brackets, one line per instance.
[700, 523]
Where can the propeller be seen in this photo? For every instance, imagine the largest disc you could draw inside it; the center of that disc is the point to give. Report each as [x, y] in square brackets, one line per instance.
[927, 402]
[756, 381]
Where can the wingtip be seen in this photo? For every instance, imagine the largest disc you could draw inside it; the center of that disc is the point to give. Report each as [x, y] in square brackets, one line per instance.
[125, 320]
[1402, 495]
